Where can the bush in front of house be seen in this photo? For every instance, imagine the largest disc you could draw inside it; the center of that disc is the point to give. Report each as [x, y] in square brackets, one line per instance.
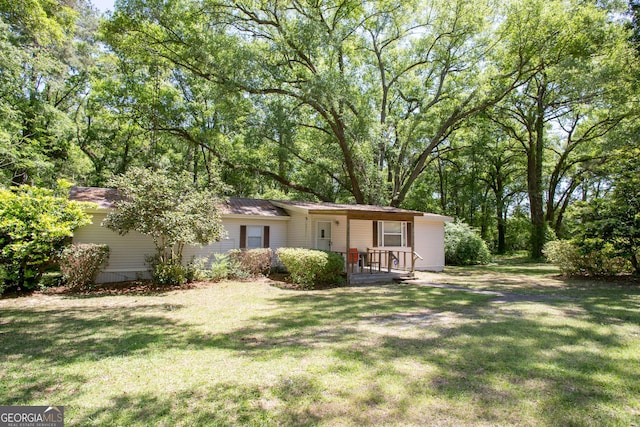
[196, 270]
[574, 260]
[80, 264]
[310, 268]
[169, 273]
[463, 246]
[35, 224]
[221, 268]
[252, 262]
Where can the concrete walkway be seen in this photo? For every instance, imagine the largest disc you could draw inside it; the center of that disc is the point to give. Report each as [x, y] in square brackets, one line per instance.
[500, 297]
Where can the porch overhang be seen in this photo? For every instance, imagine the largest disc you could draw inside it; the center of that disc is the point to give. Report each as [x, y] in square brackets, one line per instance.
[369, 215]
[363, 212]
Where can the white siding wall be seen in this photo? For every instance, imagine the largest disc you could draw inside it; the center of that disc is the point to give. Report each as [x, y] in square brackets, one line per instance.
[277, 237]
[127, 260]
[299, 231]
[429, 244]
[361, 234]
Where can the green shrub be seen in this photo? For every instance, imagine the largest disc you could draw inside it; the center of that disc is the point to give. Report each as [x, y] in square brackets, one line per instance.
[253, 262]
[35, 224]
[463, 246]
[564, 255]
[81, 263]
[310, 268]
[169, 273]
[197, 270]
[3, 279]
[221, 268]
[573, 260]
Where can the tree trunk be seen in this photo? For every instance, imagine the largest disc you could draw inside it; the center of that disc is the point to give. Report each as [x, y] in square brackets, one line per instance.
[534, 176]
[634, 262]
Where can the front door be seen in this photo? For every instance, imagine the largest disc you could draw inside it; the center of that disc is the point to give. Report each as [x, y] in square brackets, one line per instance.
[324, 236]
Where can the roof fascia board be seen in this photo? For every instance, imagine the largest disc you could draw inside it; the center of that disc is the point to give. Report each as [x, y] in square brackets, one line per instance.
[287, 207]
[436, 217]
[383, 216]
[260, 217]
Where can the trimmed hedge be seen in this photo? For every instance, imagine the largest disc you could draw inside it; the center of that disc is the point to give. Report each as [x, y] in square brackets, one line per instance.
[253, 262]
[81, 263]
[310, 268]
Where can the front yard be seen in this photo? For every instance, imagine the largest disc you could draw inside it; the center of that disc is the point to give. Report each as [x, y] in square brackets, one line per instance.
[255, 354]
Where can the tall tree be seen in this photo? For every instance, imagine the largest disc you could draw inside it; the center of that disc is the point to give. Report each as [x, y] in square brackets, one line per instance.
[42, 78]
[615, 218]
[502, 172]
[169, 208]
[375, 86]
[575, 96]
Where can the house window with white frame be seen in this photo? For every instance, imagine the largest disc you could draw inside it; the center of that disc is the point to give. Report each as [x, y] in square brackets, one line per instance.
[255, 236]
[392, 234]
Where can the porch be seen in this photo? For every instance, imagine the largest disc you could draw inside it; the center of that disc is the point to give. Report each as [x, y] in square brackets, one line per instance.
[379, 265]
[387, 233]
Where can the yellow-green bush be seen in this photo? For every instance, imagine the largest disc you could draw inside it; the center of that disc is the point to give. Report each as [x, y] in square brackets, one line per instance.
[35, 224]
[573, 260]
[310, 268]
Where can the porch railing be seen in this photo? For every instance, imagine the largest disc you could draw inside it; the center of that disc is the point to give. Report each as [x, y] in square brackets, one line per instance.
[380, 260]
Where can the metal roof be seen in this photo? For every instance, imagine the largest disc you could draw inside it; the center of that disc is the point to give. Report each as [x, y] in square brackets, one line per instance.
[106, 198]
[243, 206]
[325, 207]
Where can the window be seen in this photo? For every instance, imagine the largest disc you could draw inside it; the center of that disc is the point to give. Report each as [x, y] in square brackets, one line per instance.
[254, 236]
[392, 233]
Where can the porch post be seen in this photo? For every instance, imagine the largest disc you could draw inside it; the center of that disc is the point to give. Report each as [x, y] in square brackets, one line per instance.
[347, 251]
[413, 245]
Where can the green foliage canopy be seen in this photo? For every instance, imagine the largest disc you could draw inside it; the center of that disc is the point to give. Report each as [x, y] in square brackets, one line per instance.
[43, 77]
[167, 207]
[614, 220]
[35, 224]
[367, 90]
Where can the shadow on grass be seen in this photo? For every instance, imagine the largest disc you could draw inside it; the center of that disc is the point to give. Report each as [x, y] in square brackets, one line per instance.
[221, 404]
[71, 334]
[34, 342]
[571, 372]
[465, 350]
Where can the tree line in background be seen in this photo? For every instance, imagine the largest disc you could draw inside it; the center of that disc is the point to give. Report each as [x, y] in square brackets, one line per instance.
[502, 114]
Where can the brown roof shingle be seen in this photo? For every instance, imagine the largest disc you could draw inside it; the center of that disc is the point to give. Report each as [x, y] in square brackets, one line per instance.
[106, 198]
[242, 206]
[311, 206]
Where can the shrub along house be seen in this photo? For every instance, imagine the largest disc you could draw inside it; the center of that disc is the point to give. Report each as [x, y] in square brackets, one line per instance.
[376, 241]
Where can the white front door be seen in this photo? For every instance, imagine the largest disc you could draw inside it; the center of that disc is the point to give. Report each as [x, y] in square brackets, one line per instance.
[323, 238]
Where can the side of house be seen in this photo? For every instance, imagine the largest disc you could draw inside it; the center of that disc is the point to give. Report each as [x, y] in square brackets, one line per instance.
[251, 223]
[342, 228]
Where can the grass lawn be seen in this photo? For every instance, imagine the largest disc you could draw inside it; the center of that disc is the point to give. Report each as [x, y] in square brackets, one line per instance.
[255, 354]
